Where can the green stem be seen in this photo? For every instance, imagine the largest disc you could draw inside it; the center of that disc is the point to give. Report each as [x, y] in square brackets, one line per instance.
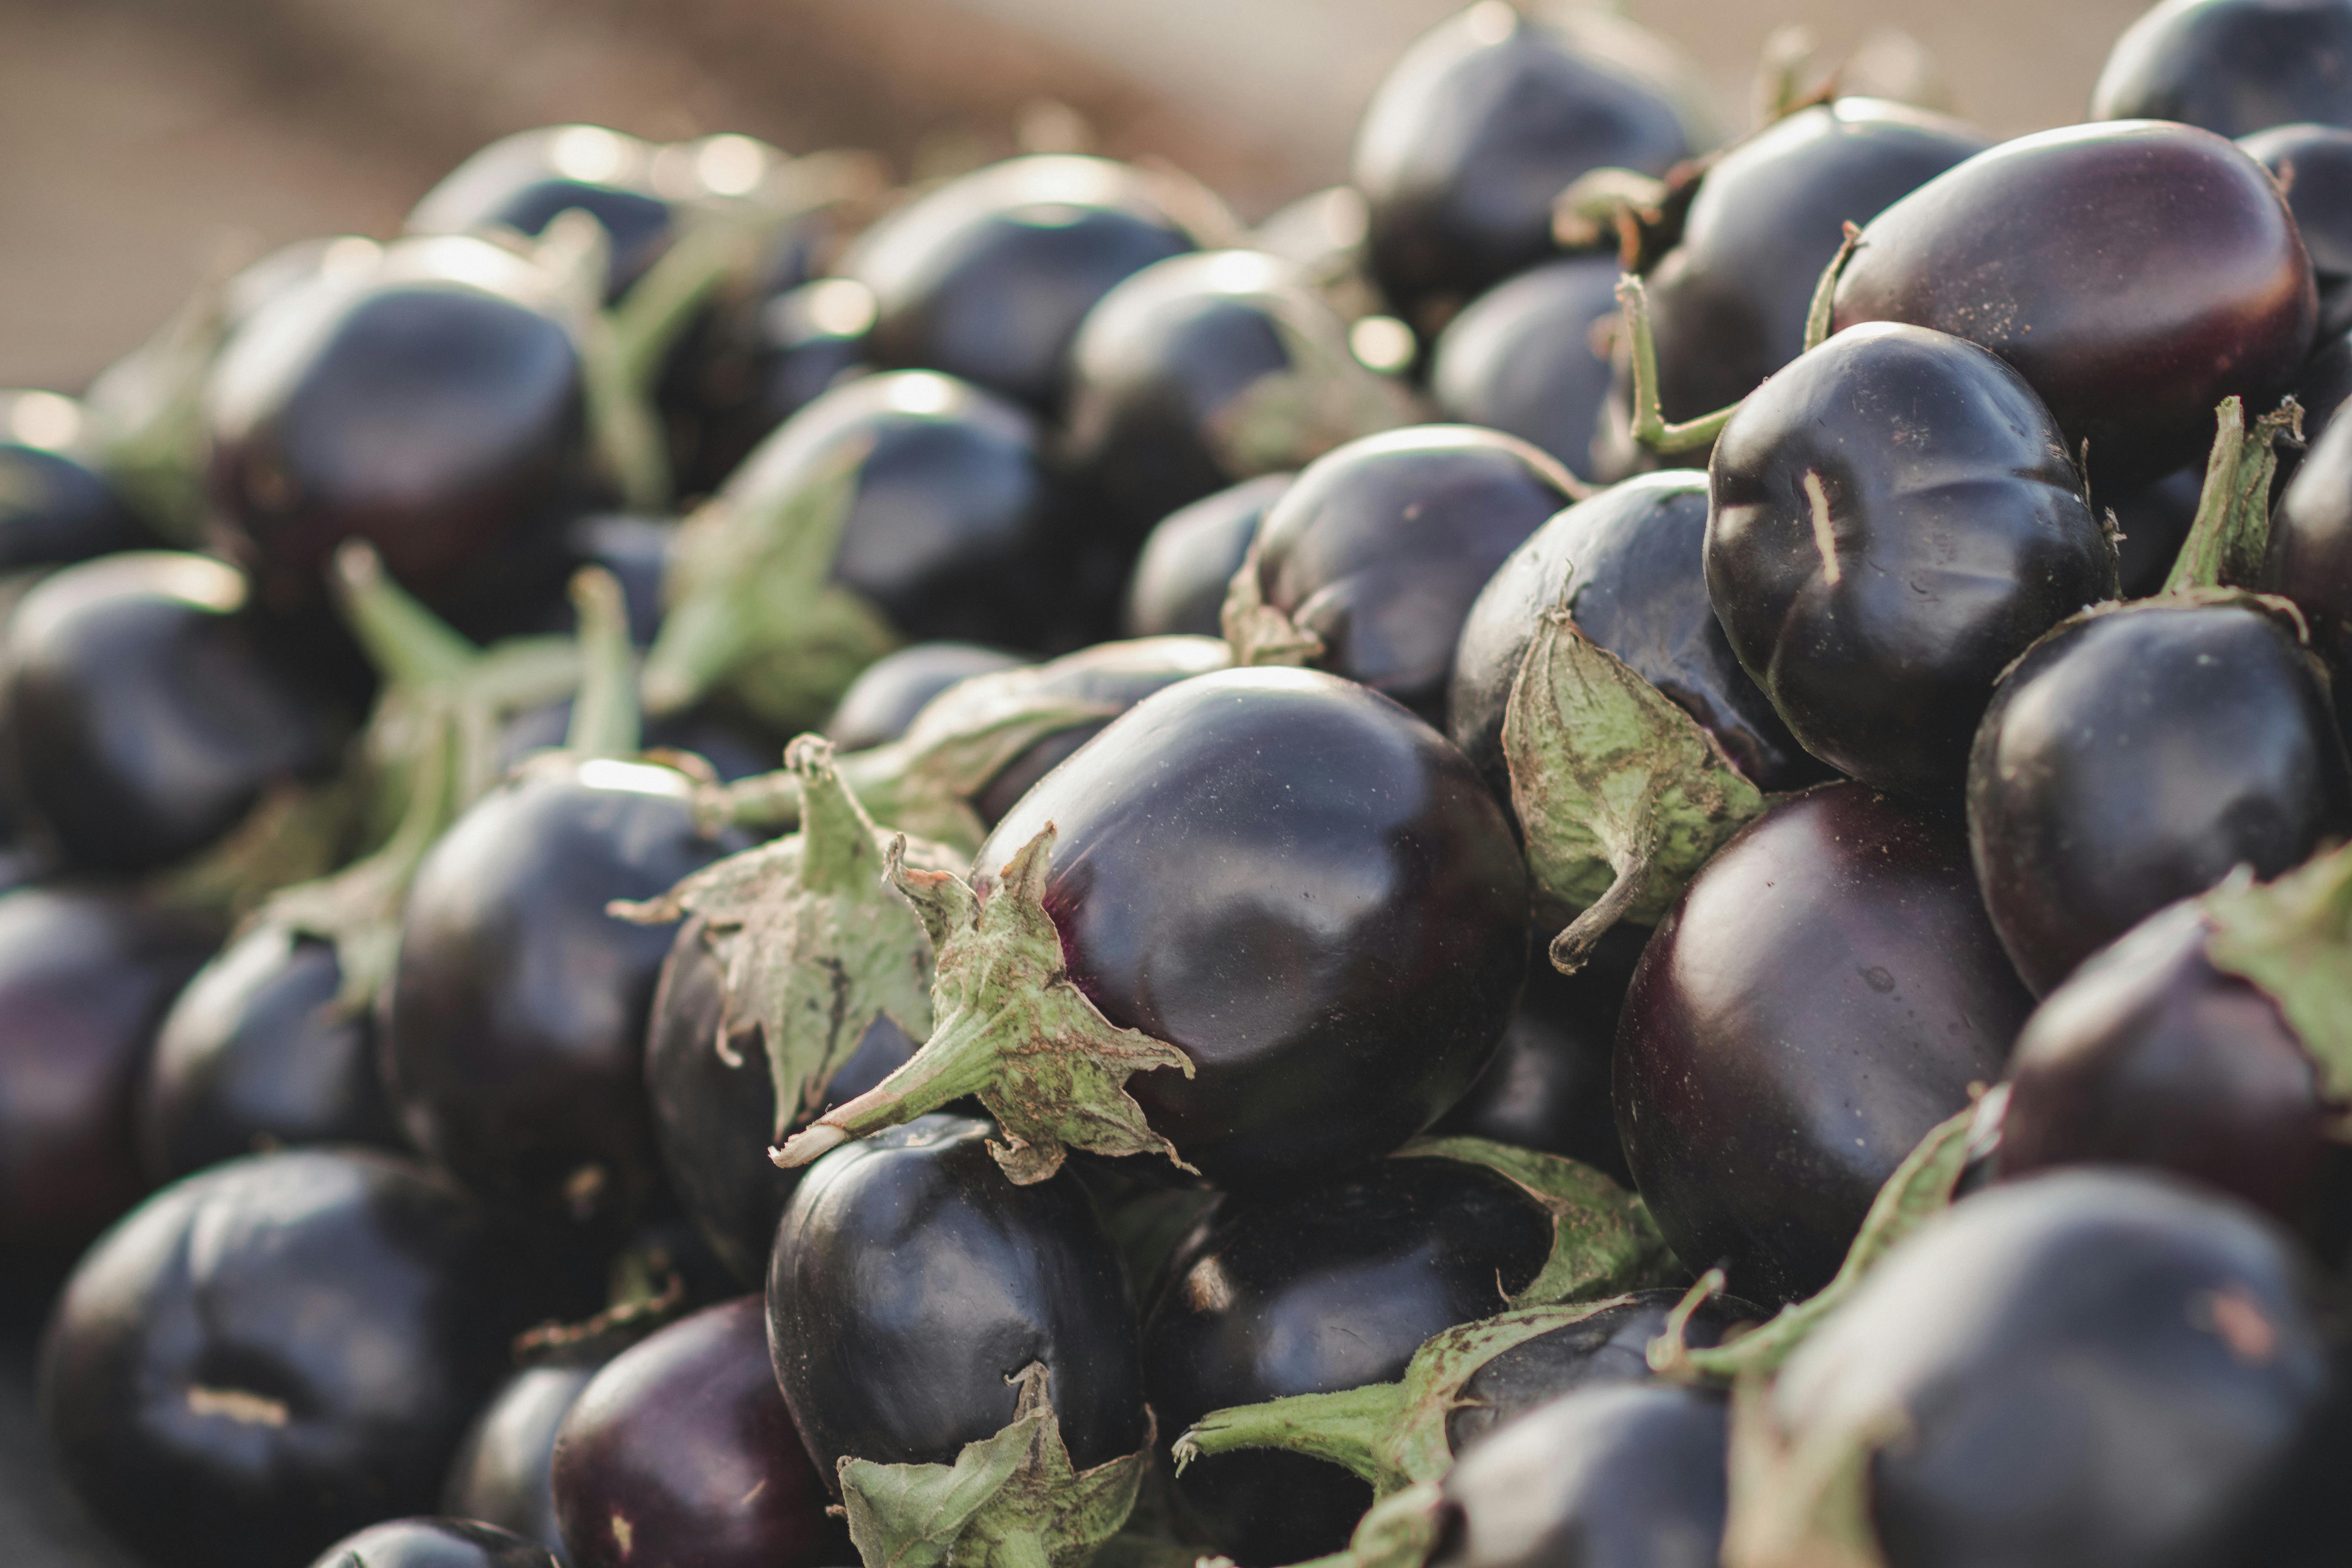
[2230, 533]
[605, 721]
[409, 644]
[1649, 420]
[1350, 1428]
[964, 1057]
[1824, 309]
[657, 313]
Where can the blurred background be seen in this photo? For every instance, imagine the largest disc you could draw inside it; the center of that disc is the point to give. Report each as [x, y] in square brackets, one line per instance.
[143, 141]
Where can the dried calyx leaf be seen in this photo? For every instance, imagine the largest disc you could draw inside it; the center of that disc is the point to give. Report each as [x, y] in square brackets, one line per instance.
[2232, 531]
[1622, 794]
[753, 611]
[1258, 632]
[1011, 1027]
[1391, 1434]
[2292, 939]
[814, 941]
[1012, 1500]
[1604, 1241]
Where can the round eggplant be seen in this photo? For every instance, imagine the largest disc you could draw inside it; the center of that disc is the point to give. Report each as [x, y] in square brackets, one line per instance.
[256, 1054]
[522, 181]
[910, 1283]
[988, 276]
[86, 977]
[2134, 757]
[275, 1352]
[1485, 119]
[2135, 273]
[1312, 1290]
[434, 1543]
[1522, 358]
[1826, 991]
[515, 1036]
[54, 509]
[2313, 166]
[2310, 555]
[1891, 522]
[2232, 66]
[680, 1454]
[882, 702]
[1374, 555]
[504, 1471]
[1189, 560]
[142, 719]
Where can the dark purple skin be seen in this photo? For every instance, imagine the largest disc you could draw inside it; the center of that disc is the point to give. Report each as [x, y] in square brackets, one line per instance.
[763, 361]
[1630, 563]
[1891, 520]
[1728, 303]
[504, 1470]
[1485, 120]
[886, 697]
[2137, 756]
[434, 1543]
[443, 423]
[517, 1017]
[714, 1104]
[1826, 991]
[1380, 548]
[275, 1352]
[2310, 559]
[680, 1454]
[1521, 358]
[1313, 1288]
[2175, 279]
[2312, 166]
[2149, 1054]
[1611, 1346]
[1607, 1477]
[1302, 888]
[254, 1055]
[988, 276]
[2232, 66]
[1189, 560]
[520, 183]
[53, 508]
[86, 977]
[144, 720]
[910, 1283]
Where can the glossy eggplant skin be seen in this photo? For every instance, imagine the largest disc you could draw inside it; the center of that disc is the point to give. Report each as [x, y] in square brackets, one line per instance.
[1314, 1288]
[275, 1352]
[763, 362]
[1728, 303]
[1482, 121]
[443, 423]
[910, 1279]
[142, 721]
[434, 1543]
[2149, 1054]
[503, 1472]
[714, 1104]
[2312, 166]
[988, 276]
[2175, 279]
[515, 1039]
[2232, 66]
[1611, 1346]
[2310, 559]
[952, 535]
[2117, 1338]
[1301, 887]
[680, 1454]
[1824, 993]
[1891, 522]
[53, 508]
[1606, 1478]
[1380, 547]
[1629, 564]
[886, 697]
[523, 180]
[255, 1054]
[86, 977]
[1521, 358]
[2135, 757]
[1189, 560]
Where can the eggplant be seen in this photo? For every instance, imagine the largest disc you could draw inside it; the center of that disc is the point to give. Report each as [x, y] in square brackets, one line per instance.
[2231, 66]
[884, 700]
[503, 1471]
[522, 181]
[1189, 560]
[434, 1543]
[1523, 358]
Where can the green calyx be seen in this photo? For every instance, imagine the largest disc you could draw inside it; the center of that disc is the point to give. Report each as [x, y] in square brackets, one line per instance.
[1011, 1028]
[814, 940]
[1799, 1500]
[1012, 1500]
[1391, 1434]
[1258, 632]
[752, 610]
[145, 421]
[1604, 1243]
[1324, 398]
[2232, 531]
[1622, 794]
[2292, 939]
